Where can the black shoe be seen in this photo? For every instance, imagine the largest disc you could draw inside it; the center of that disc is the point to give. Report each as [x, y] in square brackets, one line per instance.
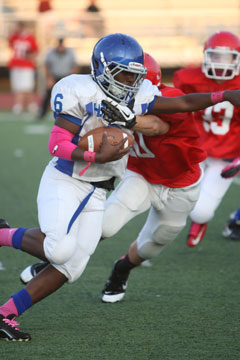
[232, 230]
[4, 224]
[9, 330]
[29, 272]
[115, 287]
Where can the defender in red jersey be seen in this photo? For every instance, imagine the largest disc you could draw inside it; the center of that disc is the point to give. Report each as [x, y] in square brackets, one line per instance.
[172, 159]
[163, 174]
[219, 125]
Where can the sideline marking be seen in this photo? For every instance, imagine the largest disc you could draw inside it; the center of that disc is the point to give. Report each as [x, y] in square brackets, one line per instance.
[18, 153]
[36, 129]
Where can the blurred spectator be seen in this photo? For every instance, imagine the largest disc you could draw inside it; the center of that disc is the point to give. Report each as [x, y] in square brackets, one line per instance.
[92, 20]
[92, 7]
[44, 5]
[22, 68]
[59, 62]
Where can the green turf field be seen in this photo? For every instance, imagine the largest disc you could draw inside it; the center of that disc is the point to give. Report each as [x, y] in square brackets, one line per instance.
[185, 307]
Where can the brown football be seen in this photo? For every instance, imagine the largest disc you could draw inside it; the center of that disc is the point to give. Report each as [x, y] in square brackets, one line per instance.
[92, 140]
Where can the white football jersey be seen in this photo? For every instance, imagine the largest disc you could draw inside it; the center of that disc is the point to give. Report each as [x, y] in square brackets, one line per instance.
[78, 99]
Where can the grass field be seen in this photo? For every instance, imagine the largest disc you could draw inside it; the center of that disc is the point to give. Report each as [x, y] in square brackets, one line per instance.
[185, 307]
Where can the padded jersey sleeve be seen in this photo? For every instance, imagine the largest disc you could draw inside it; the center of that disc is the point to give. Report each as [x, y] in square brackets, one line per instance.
[145, 98]
[71, 95]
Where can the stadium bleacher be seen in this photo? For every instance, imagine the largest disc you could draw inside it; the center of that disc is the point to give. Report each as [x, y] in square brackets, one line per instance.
[172, 31]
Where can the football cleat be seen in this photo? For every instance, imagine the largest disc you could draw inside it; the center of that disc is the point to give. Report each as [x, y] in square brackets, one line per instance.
[9, 330]
[196, 233]
[232, 228]
[115, 287]
[29, 272]
[232, 169]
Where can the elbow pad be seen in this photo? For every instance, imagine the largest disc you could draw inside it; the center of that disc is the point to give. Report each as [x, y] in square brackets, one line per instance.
[60, 144]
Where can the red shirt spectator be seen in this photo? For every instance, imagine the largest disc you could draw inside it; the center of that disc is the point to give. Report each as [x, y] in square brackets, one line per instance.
[24, 47]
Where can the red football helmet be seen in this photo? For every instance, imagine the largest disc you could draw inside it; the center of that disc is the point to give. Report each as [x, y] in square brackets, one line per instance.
[153, 70]
[221, 56]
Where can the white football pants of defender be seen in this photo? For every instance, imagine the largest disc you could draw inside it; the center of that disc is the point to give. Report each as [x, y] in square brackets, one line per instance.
[169, 209]
[59, 196]
[213, 188]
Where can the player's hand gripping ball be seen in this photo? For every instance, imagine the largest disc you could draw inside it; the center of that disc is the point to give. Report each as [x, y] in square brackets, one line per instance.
[92, 140]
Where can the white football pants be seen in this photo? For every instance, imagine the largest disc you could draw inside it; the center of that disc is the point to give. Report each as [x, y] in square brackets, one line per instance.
[212, 190]
[59, 196]
[169, 209]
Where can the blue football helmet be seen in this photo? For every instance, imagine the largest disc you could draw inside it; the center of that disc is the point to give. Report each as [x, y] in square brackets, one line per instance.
[115, 53]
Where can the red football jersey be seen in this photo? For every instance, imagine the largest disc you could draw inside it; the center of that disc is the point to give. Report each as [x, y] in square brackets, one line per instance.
[22, 46]
[171, 159]
[219, 125]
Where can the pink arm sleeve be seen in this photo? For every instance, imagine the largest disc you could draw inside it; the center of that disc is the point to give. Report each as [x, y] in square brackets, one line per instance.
[60, 144]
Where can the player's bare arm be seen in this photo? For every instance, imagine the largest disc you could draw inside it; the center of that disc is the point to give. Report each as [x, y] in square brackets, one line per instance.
[193, 102]
[151, 125]
[67, 125]
[115, 113]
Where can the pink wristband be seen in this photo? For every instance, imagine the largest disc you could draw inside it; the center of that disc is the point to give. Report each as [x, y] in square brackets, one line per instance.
[89, 156]
[217, 97]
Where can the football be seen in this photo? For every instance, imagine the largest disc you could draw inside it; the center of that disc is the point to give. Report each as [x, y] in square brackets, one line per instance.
[92, 140]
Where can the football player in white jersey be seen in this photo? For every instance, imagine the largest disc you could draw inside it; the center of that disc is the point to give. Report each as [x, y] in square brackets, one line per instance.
[72, 194]
[72, 190]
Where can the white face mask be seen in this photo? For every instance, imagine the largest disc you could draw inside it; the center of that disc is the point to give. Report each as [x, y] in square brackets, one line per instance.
[221, 63]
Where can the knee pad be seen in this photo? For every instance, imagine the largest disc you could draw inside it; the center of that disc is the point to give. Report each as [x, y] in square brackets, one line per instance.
[59, 252]
[149, 250]
[73, 269]
[163, 235]
[166, 233]
[75, 273]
